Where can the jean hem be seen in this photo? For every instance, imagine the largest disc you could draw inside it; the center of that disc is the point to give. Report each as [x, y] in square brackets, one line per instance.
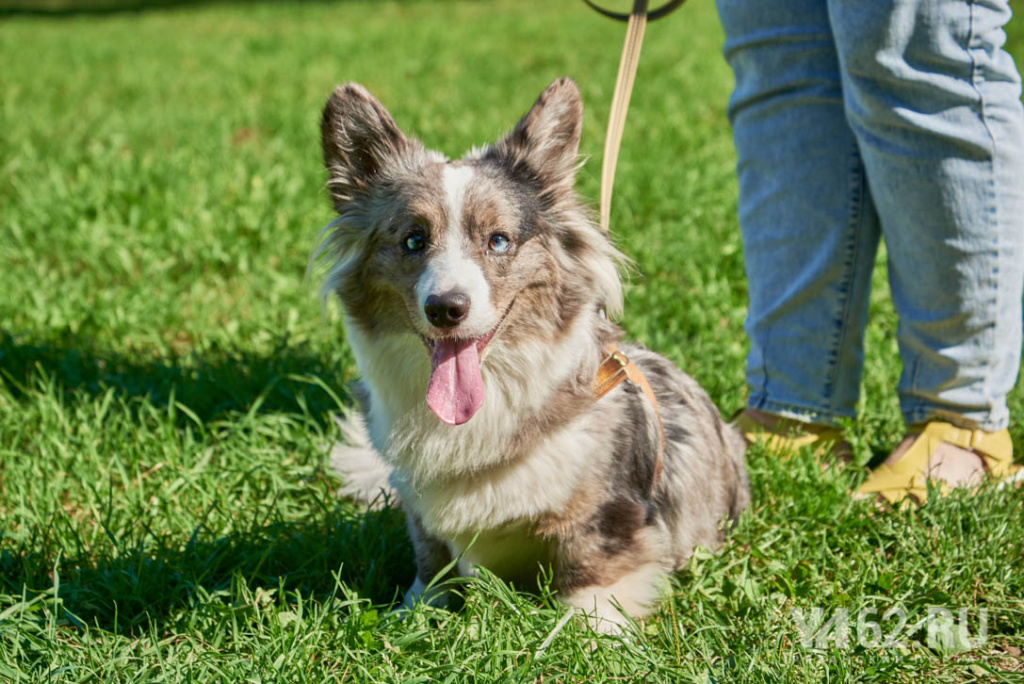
[979, 420]
[804, 414]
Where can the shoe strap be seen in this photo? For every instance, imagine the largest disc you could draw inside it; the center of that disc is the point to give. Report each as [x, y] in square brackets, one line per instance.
[908, 475]
[995, 448]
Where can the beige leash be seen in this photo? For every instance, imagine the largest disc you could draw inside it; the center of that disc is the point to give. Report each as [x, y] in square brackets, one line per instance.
[637, 19]
[617, 367]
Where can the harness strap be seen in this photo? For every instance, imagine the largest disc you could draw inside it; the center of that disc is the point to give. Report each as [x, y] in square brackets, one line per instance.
[616, 368]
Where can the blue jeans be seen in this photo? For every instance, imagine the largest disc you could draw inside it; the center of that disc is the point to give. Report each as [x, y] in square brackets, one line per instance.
[857, 119]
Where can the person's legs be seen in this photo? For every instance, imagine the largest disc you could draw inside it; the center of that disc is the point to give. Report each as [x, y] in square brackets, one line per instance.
[935, 105]
[809, 227]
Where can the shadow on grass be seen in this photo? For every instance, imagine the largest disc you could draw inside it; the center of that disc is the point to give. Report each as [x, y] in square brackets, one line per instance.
[140, 578]
[212, 384]
[156, 583]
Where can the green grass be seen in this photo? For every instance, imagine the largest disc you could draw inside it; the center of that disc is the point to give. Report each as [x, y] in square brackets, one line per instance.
[167, 380]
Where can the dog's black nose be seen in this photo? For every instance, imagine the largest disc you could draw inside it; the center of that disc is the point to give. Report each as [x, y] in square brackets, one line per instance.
[446, 310]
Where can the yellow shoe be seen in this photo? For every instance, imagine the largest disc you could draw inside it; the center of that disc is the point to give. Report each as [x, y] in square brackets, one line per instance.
[908, 475]
[787, 436]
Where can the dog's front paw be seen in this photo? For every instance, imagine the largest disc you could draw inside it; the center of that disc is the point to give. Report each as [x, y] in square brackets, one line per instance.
[419, 592]
[603, 616]
[633, 594]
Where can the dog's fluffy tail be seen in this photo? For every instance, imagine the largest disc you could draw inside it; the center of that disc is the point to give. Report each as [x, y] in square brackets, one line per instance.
[366, 475]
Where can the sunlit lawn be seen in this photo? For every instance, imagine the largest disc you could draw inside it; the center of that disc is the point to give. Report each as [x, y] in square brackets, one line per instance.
[167, 378]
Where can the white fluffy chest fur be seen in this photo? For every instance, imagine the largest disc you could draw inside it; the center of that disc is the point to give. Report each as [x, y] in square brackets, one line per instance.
[542, 482]
[460, 479]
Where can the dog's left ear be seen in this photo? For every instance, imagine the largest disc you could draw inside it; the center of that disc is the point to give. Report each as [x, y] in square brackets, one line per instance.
[546, 141]
[359, 137]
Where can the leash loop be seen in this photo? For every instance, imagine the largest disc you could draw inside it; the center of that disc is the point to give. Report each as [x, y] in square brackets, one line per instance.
[653, 15]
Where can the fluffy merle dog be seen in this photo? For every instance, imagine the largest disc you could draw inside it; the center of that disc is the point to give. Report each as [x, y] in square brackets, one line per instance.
[474, 294]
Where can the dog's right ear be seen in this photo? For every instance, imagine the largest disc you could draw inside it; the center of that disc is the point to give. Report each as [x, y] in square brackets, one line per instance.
[546, 141]
[358, 137]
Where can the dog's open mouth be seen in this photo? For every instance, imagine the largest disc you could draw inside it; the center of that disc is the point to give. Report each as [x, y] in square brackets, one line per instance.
[456, 389]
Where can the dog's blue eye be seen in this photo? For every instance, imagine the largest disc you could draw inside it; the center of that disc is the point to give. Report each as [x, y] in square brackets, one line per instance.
[415, 242]
[499, 244]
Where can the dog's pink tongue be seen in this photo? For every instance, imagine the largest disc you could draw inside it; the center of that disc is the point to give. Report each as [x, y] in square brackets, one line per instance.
[456, 389]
